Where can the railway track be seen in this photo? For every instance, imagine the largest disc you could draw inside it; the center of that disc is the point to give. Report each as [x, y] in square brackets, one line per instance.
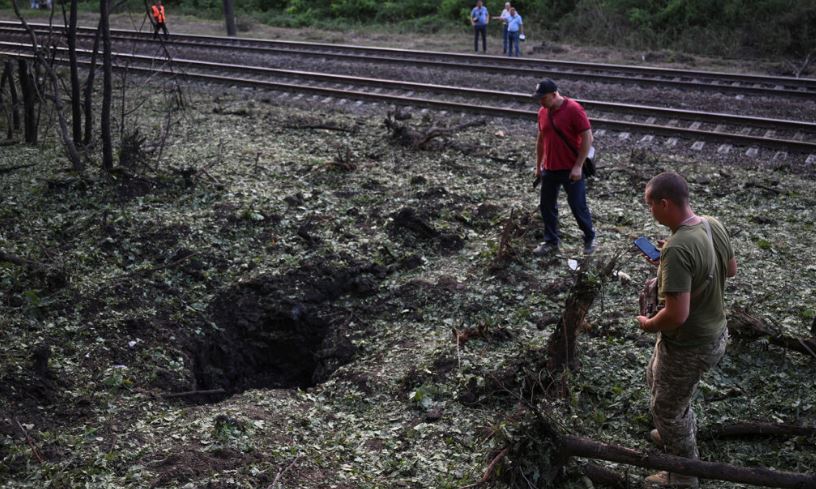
[648, 123]
[727, 83]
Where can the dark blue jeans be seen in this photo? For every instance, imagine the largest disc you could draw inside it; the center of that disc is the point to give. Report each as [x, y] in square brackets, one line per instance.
[551, 183]
[504, 38]
[513, 40]
[480, 29]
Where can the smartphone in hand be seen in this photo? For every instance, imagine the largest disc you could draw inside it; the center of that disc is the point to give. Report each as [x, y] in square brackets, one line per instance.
[647, 248]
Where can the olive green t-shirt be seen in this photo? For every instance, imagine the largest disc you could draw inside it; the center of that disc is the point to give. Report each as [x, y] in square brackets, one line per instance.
[685, 265]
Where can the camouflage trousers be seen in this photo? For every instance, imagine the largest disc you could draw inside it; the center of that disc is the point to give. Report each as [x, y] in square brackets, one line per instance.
[672, 375]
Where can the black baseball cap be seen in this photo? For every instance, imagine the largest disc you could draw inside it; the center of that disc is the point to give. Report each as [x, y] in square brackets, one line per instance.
[544, 87]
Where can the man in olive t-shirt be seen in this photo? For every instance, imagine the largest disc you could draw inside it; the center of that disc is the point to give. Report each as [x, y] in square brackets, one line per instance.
[691, 327]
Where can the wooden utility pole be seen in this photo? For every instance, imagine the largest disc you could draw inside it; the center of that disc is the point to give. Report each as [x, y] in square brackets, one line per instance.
[229, 18]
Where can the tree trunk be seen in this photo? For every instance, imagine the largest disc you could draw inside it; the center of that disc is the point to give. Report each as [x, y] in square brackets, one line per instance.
[13, 113]
[562, 344]
[107, 85]
[88, 89]
[76, 102]
[229, 18]
[585, 447]
[29, 108]
[46, 65]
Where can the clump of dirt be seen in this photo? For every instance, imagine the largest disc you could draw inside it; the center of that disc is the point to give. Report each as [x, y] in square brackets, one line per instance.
[192, 464]
[414, 230]
[281, 331]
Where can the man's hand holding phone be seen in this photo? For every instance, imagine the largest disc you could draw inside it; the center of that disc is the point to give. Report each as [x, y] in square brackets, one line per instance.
[649, 250]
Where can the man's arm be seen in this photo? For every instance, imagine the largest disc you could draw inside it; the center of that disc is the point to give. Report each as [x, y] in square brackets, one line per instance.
[732, 268]
[583, 151]
[671, 317]
[539, 153]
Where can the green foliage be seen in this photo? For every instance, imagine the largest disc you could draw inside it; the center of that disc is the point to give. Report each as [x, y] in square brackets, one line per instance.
[728, 27]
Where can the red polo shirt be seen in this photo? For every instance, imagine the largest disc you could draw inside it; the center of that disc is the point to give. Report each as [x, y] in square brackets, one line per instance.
[572, 120]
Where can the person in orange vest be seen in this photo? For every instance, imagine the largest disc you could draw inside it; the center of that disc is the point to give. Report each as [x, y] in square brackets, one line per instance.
[157, 11]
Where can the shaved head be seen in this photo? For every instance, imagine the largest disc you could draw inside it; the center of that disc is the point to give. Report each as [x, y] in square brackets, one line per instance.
[670, 186]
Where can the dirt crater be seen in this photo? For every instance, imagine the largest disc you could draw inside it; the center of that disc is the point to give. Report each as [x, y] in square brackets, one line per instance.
[281, 331]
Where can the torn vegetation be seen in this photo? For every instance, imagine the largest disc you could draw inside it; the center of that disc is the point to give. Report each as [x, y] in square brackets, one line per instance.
[401, 281]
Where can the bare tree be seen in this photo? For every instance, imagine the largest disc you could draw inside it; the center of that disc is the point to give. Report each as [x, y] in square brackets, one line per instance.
[14, 103]
[76, 103]
[41, 62]
[88, 88]
[107, 85]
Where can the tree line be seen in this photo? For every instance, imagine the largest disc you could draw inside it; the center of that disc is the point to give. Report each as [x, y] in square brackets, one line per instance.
[771, 28]
[785, 28]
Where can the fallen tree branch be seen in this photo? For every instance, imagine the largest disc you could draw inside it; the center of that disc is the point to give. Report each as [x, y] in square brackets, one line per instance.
[585, 447]
[318, 126]
[15, 167]
[210, 392]
[745, 326]
[756, 429]
[34, 450]
[490, 468]
[408, 136]
[283, 471]
[23, 262]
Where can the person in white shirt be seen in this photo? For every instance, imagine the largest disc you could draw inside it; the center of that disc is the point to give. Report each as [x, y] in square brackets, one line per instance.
[503, 17]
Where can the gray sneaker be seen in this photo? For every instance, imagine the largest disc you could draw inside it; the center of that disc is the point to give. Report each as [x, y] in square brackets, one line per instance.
[546, 248]
[589, 248]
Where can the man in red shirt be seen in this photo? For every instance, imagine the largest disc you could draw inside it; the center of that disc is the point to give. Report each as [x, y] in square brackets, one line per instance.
[159, 19]
[559, 163]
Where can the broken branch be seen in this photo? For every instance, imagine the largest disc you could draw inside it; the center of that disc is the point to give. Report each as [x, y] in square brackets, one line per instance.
[745, 326]
[584, 447]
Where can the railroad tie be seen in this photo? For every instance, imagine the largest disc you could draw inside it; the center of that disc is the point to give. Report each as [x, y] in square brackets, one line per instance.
[698, 145]
[752, 152]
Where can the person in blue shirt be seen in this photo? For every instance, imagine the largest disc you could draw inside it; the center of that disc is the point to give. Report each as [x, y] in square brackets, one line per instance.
[479, 19]
[514, 27]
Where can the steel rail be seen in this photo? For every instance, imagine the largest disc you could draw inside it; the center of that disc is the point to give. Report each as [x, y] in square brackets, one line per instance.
[513, 97]
[803, 87]
[689, 133]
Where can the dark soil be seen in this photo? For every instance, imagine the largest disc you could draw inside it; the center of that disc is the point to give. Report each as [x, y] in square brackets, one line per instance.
[280, 331]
